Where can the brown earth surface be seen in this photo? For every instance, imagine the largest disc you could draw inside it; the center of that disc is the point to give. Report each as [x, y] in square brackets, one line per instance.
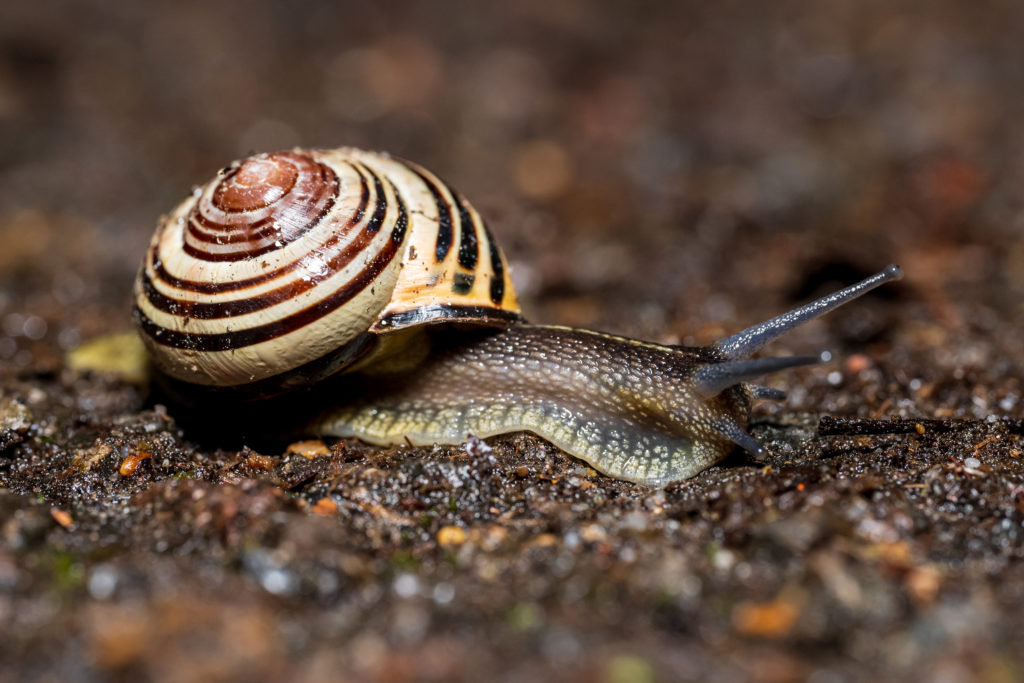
[671, 171]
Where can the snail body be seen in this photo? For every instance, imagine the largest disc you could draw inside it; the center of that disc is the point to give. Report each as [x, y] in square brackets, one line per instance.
[291, 268]
[629, 409]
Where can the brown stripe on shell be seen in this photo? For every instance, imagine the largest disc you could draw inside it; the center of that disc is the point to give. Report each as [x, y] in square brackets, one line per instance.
[290, 215]
[498, 268]
[255, 232]
[228, 255]
[311, 171]
[255, 184]
[304, 375]
[444, 214]
[210, 310]
[377, 219]
[469, 250]
[236, 307]
[261, 333]
[160, 273]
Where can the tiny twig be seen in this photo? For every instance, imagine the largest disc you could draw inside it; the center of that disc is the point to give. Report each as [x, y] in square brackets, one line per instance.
[856, 426]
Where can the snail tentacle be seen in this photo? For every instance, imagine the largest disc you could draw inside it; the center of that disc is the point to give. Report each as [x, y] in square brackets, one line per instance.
[710, 380]
[746, 343]
[739, 436]
[762, 393]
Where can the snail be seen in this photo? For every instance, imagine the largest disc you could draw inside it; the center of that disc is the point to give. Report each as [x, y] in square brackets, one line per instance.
[364, 270]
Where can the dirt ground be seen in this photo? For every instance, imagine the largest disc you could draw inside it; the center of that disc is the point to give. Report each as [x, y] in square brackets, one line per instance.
[671, 171]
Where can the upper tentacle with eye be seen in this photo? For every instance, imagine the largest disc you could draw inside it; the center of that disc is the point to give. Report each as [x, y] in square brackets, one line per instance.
[744, 344]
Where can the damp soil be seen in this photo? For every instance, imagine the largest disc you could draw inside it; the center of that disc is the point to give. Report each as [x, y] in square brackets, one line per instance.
[669, 171]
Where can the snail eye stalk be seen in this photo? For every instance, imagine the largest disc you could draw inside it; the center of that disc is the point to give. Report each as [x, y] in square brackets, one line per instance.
[744, 344]
[711, 380]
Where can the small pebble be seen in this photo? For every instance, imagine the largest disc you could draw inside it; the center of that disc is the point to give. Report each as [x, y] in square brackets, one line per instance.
[132, 462]
[325, 507]
[450, 536]
[312, 448]
[262, 463]
[102, 582]
[61, 517]
[15, 420]
[476, 447]
[444, 593]
[14, 416]
[406, 585]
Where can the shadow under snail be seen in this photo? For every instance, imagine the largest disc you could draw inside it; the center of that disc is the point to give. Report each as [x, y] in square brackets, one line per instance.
[292, 267]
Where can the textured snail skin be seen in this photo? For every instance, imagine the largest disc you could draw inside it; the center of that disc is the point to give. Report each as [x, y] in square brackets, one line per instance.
[292, 268]
[629, 409]
[637, 411]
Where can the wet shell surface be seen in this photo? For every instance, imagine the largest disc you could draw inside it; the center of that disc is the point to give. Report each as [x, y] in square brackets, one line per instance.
[293, 262]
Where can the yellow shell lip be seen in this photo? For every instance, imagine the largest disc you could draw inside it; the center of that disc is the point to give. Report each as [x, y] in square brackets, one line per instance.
[446, 313]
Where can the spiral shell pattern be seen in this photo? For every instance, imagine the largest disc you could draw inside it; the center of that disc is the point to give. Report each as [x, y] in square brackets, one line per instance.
[288, 266]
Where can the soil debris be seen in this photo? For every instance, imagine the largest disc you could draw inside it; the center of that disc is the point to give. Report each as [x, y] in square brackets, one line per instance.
[667, 171]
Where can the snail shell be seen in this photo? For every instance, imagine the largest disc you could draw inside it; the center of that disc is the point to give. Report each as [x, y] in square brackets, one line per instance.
[289, 268]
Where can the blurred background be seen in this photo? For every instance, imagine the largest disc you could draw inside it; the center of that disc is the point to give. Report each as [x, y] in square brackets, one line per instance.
[664, 169]
[671, 170]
